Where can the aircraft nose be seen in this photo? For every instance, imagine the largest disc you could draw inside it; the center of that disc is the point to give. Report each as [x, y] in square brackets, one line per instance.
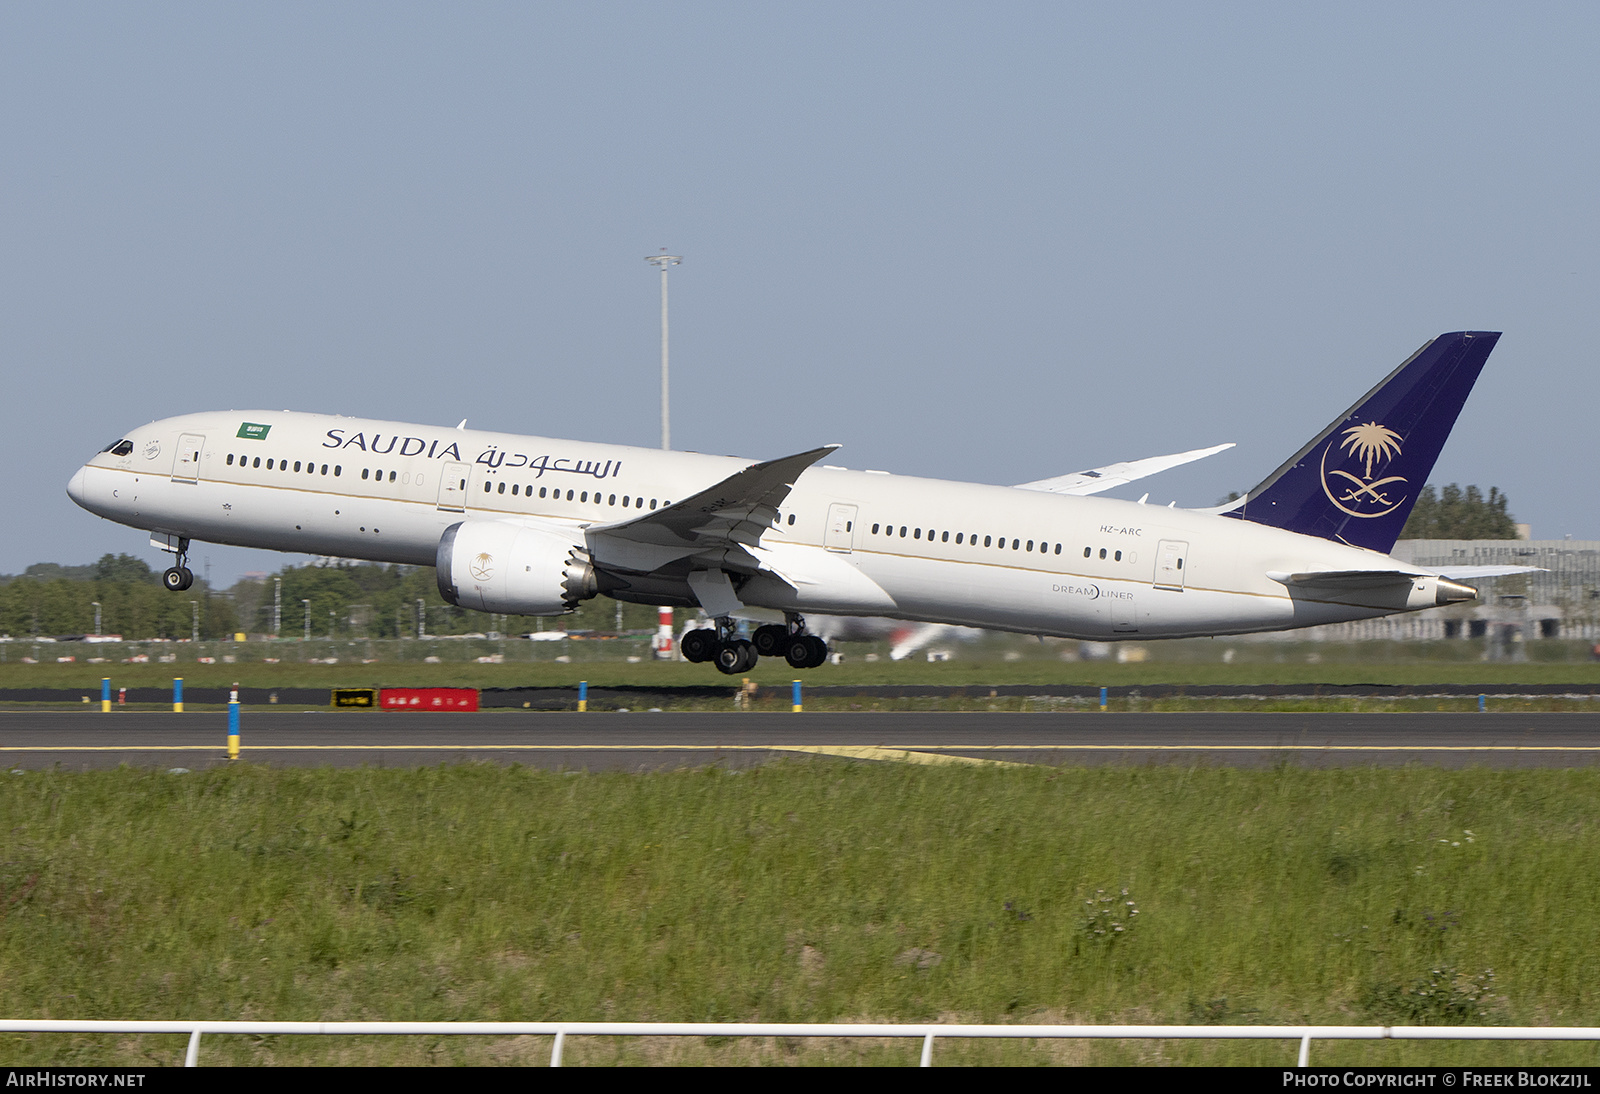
[75, 487]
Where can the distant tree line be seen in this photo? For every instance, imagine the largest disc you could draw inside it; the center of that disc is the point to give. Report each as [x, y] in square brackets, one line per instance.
[1454, 513]
[1450, 513]
[51, 600]
[347, 600]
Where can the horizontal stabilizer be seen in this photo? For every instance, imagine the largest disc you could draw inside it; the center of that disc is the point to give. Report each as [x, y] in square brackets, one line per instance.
[1472, 573]
[1346, 579]
[1118, 474]
[1339, 583]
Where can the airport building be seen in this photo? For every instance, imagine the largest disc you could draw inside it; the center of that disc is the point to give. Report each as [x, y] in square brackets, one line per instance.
[1561, 602]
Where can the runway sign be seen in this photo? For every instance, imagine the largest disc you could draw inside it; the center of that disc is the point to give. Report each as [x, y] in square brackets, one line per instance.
[428, 699]
[354, 697]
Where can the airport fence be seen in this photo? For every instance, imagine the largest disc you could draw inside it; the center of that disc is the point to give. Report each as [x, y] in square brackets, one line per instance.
[560, 1031]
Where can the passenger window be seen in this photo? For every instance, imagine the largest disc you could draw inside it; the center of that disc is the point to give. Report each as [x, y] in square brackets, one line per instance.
[338, 469]
[324, 469]
[269, 463]
[874, 529]
[1118, 556]
[986, 541]
[365, 473]
[1058, 548]
[1030, 545]
[391, 476]
[542, 490]
[1102, 552]
[902, 531]
[502, 488]
[297, 465]
[625, 500]
[230, 459]
[487, 488]
[791, 515]
[584, 496]
[652, 503]
[569, 495]
[1086, 552]
[612, 501]
[1015, 544]
[1180, 564]
[944, 537]
[257, 463]
[918, 534]
[958, 539]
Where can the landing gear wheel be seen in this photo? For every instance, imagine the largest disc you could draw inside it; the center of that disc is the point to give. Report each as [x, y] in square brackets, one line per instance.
[770, 639]
[736, 656]
[805, 651]
[176, 579]
[699, 646]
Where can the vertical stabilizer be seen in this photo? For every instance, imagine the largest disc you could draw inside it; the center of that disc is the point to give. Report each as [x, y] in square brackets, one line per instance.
[1358, 479]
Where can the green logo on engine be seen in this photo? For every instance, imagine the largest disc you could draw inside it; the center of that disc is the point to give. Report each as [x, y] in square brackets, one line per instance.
[250, 431]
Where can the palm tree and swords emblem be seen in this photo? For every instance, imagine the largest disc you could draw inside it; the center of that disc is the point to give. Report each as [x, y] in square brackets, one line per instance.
[1374, 445]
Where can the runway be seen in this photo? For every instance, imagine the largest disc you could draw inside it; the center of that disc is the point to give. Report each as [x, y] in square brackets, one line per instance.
[82, 740]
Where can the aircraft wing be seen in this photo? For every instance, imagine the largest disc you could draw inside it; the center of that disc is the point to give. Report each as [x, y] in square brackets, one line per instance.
[728, 516]
[1116, 474]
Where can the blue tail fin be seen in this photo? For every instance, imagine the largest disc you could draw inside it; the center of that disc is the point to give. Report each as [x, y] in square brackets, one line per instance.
[1358, 479]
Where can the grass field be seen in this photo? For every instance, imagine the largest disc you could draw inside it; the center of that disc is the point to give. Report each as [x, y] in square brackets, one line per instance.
[999, 661]
[807, 891]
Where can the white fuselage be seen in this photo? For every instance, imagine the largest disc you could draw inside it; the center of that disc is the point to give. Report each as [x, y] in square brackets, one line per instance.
[873, 543]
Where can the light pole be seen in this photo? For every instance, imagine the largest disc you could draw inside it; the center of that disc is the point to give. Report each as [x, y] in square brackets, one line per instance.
[662, 262]
[422, 619]
[307, 603]
[277, 607]
[194, 633]
[96, 604]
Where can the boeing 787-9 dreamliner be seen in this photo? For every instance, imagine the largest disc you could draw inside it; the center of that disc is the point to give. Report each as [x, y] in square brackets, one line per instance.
[532, 525]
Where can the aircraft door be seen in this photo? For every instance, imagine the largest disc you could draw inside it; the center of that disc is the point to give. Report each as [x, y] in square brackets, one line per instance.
[840, 532]
[453, 486]
[186, 463]
[1171, 556]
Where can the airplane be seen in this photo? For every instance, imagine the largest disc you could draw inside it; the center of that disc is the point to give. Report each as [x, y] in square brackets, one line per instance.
[534, 526]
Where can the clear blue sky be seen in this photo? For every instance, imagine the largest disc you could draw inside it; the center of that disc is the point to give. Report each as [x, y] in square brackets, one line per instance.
[993, 242]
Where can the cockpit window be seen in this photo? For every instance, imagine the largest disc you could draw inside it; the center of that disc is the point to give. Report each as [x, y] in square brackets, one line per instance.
[119, 448]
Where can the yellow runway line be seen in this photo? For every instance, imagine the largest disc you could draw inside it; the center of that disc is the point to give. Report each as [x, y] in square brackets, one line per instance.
[857, 752]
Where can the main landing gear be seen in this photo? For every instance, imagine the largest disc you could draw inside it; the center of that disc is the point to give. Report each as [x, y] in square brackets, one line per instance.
[733, 654]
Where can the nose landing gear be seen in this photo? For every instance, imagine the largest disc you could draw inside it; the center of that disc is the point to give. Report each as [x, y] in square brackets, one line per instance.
[177, 578]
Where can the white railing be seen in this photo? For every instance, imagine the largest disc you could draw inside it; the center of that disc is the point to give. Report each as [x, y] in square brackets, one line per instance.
[562, 1030]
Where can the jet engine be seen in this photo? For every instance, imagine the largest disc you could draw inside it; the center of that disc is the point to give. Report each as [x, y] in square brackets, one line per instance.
[495, 566]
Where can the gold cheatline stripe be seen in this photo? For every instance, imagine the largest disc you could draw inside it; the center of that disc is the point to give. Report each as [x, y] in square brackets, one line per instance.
[916, 753]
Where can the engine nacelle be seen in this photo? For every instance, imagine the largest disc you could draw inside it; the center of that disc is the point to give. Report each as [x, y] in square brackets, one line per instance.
[493, 566]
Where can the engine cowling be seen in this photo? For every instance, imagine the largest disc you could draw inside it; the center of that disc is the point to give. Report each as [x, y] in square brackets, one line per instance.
[493, 566]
